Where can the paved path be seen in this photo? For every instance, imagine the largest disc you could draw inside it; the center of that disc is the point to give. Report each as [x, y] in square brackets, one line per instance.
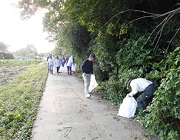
[65, 114]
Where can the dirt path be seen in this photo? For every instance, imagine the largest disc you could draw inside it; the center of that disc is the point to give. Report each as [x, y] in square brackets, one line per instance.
[65, 114]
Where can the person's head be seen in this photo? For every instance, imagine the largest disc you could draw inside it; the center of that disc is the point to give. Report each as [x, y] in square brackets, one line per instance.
[127, 83]
[57, 57]
[92, 57]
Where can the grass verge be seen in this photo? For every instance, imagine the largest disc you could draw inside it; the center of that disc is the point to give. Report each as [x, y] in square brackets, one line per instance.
[19, 101]
[15, 62]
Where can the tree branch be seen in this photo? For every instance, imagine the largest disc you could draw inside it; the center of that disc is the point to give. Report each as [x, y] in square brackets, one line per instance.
[172, 39]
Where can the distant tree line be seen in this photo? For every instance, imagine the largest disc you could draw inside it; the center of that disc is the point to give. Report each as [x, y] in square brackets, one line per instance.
[4, 53]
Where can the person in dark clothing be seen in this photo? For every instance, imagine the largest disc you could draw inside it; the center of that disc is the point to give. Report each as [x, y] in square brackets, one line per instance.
[87, 69]
[63, 61]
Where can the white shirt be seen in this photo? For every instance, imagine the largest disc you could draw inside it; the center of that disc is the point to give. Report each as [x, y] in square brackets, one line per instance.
[50, 61]
[57, 62]
[70, 61]
[139, 85]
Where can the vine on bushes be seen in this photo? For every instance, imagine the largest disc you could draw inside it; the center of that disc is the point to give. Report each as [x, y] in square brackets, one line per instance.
[165, 107]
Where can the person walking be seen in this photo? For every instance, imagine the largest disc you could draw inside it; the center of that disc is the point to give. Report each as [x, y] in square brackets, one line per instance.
[50, 64]
[69, 65]
[145, 87]
[57, 64]
[63, 61]
[87, 69]
[53, 58]
[47, 62]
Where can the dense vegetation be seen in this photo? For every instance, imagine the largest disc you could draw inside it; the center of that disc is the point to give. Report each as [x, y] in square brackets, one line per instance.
[130, 39]
[19, 101]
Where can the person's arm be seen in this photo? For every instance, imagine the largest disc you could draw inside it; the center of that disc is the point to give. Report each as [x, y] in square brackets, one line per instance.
[92, 69]
[55, 63]
[134, 88]
[84, 66]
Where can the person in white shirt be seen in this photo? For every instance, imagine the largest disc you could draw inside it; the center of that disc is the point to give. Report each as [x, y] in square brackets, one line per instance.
[69, 65]
[143, 86]
[50, 64]
[57, 64]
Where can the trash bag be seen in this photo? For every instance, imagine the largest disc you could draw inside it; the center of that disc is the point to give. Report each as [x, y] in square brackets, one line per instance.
[93, 83]
[128, 107]
[74, 67]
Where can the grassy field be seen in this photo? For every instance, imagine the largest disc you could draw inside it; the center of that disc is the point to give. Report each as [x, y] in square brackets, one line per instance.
[14, 62]
[19, 101]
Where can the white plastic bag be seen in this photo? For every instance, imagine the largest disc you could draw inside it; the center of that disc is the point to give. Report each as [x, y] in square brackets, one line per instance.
[128, 107]
[74, 67]
[93, 83]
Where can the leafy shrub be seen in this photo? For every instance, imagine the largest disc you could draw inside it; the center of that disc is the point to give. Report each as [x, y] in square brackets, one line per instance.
[164, 117]
[164, 112]
[105, 50]
[114, 89]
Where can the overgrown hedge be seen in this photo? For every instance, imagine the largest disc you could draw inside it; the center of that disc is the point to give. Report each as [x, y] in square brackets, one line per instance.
[164, 112]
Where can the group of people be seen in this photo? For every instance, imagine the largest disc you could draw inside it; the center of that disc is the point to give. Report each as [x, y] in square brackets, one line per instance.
[138, 85]
[53, 61]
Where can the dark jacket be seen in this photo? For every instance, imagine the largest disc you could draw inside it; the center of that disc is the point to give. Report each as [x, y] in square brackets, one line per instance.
[87, 67]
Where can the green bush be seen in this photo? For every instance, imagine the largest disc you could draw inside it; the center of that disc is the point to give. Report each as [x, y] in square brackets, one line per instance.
[114, 89]
[164, 112]
[164, 116]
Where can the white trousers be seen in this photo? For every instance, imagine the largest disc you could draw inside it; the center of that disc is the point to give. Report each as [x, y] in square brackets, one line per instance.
[87, 80]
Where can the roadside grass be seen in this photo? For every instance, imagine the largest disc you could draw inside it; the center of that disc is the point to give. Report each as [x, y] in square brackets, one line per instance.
[19, 101]
[15, 62]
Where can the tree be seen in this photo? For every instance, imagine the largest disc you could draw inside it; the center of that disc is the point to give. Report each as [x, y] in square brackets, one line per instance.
[29, 51]
[4, 53]
[3, 47]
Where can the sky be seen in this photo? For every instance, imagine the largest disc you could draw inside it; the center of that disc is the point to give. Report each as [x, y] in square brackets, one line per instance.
[17, 33]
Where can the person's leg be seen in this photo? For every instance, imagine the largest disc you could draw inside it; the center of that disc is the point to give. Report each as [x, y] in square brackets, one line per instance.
[51, 69]
[145, 98]
[87, 78]
[58, 70]
[70, 70]
[149, 93]
[140, 101]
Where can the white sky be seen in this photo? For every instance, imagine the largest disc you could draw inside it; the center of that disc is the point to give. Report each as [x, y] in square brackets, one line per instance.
[18, 33]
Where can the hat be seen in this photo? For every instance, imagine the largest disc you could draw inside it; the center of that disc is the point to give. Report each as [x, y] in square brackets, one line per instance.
[127, 83]
[92, 55]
